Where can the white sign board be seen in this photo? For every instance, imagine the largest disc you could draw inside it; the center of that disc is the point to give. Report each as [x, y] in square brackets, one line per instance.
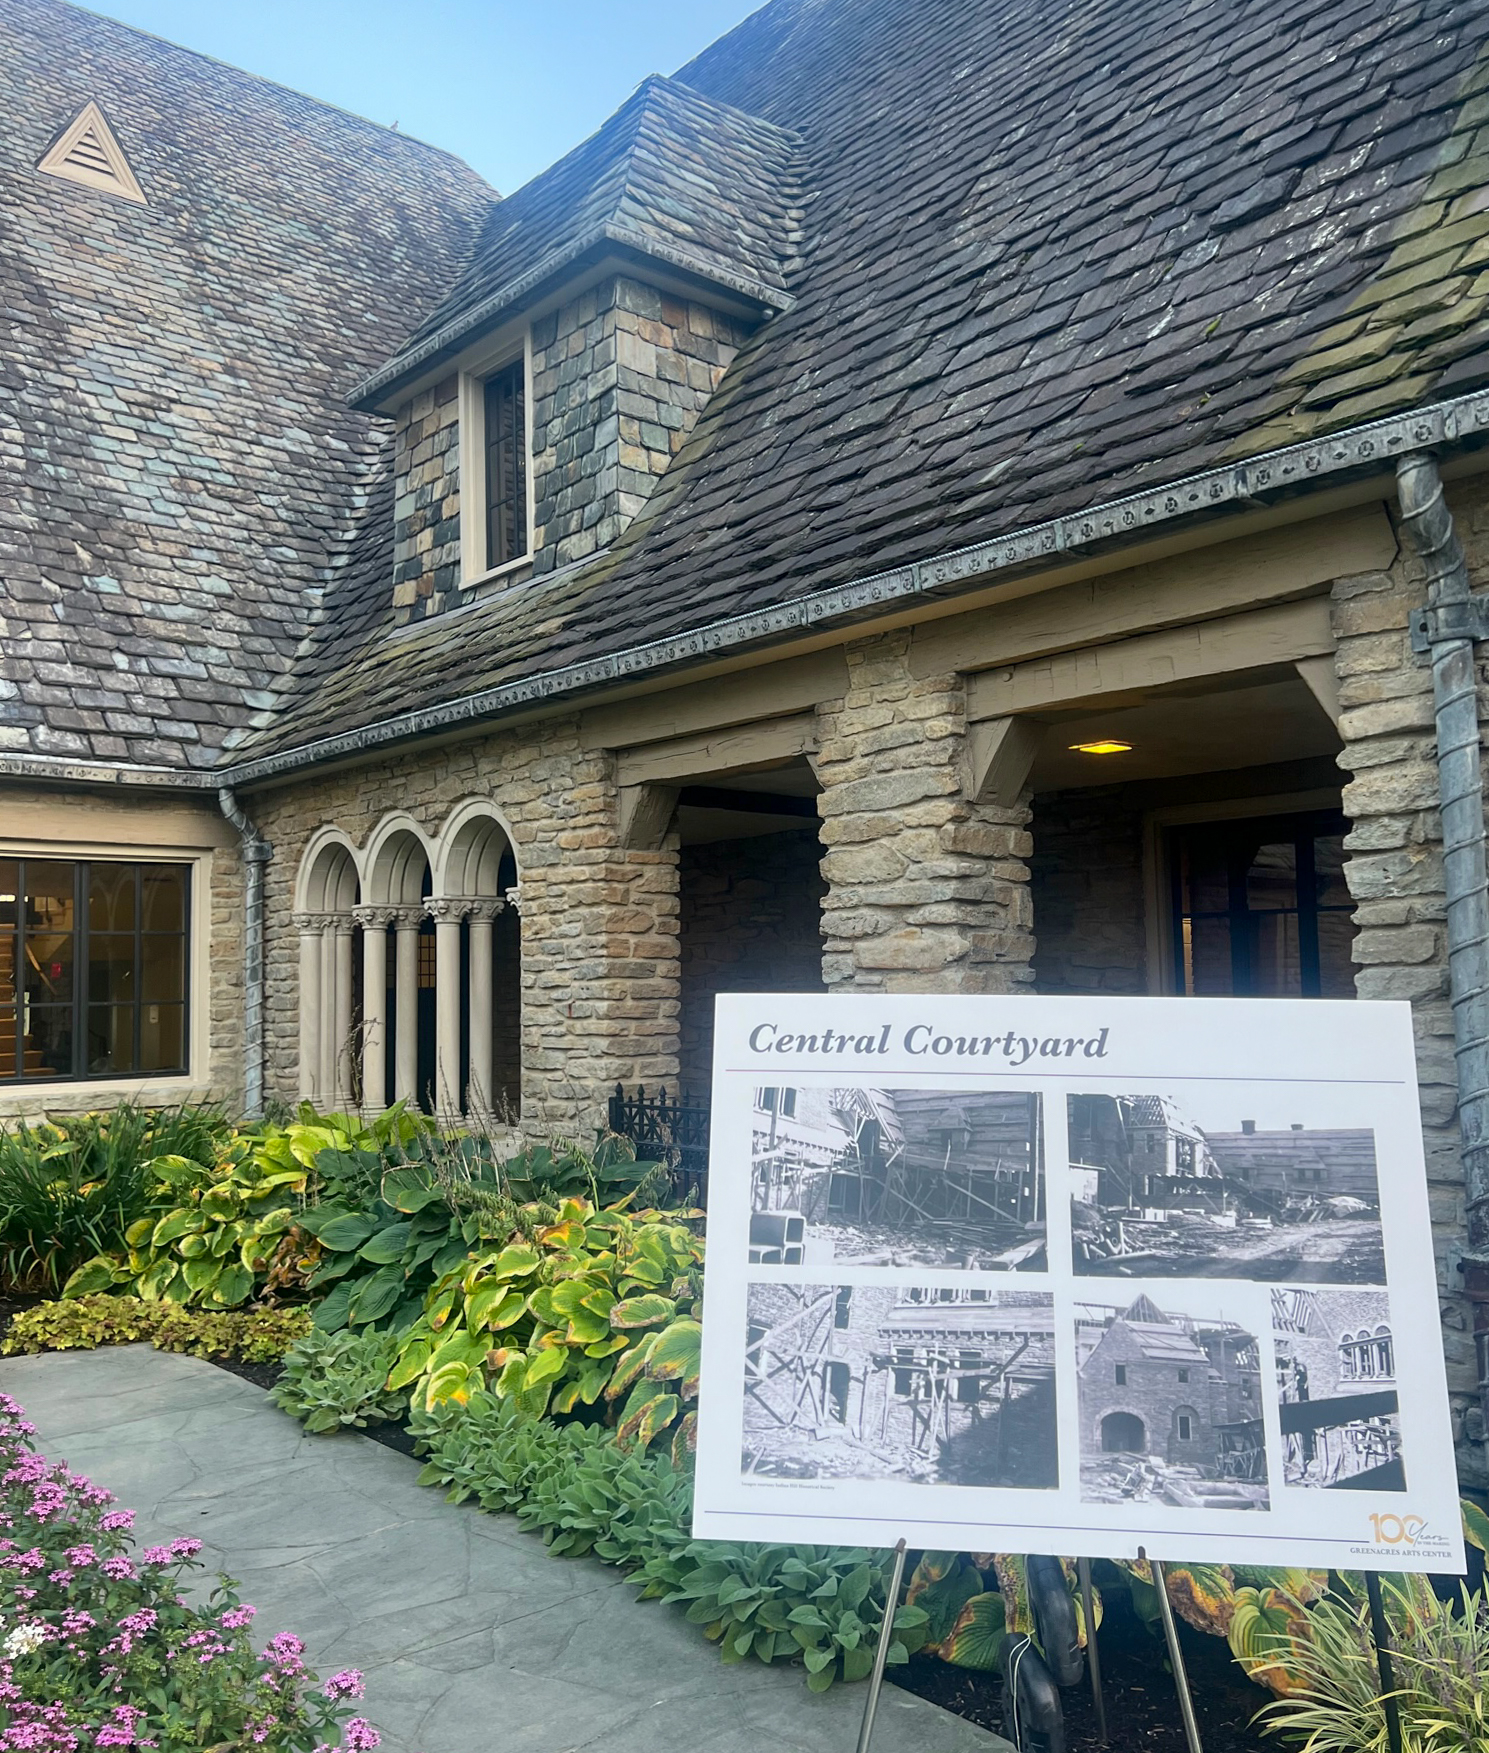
[1074, 1276]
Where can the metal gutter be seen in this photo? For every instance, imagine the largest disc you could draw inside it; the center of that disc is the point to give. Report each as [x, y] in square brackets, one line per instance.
[256, 853]
[1259, 481]
[1445, 632]
[64, 769]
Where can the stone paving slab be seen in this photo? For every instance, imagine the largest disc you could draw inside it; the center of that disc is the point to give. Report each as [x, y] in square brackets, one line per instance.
[474, 1638]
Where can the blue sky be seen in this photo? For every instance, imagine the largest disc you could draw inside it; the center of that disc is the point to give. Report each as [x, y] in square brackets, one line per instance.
[509, 85]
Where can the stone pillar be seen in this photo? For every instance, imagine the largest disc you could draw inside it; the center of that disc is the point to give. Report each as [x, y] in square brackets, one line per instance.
[310, 926]
[340, 937]
[482, 915]
[406, 1001]
[927, 889]
[447, 911]
[374, 922]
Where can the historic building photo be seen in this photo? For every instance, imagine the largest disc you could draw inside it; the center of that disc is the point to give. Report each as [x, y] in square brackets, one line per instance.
[1155, 1194]
[1336, 1390]
[934, 1385]
[1170, 1405]
[897, 1177]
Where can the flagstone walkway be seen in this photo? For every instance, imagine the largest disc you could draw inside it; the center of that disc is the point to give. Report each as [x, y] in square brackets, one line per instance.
[474, 1638]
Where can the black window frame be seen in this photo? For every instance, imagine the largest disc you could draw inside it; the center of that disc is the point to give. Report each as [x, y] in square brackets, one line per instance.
[504, 454]
[80, 1001]
[1303, 828]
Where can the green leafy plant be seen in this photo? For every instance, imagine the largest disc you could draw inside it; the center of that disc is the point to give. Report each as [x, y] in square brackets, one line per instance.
[600, 1305]
[335, 1380]
[81, 1323]
[70, 1188]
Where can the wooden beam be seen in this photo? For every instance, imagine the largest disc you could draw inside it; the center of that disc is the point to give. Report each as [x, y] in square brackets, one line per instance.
[1323, 681]
[1292, 561]
[791, 685]
[1262, 639]
[646, 813]
[999, 755]
[715, 754]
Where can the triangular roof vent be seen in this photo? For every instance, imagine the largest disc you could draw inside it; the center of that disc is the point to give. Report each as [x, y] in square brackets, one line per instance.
[86, 152]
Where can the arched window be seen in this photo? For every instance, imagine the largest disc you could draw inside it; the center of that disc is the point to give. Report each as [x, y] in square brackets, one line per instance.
[1367, 1356]
[325, 898]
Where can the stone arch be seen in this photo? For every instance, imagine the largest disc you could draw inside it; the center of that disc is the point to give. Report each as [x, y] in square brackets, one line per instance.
[475, 904]
[1122, 1433]
[472, 845]
[330, 876]
[395, 861]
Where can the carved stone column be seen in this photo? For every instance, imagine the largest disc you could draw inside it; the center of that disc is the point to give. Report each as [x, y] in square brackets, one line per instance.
[482, 914]
[447, 911]
[406, 1003]
[339, 1059]
[312, 1073]
[374, 922]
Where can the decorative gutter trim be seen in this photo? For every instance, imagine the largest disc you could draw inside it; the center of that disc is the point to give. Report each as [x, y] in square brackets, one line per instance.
[509, 297]
[1263, 478]
[66, 769]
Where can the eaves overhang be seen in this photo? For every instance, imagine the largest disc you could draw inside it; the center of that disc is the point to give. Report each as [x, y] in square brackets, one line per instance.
[1256, 483]
[380, 392]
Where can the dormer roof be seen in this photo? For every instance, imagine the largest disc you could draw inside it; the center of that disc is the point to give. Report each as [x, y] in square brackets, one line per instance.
[703, 191]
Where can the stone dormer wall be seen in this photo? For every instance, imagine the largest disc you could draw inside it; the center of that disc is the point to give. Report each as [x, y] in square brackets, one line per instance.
[426, 504]
[620, 377]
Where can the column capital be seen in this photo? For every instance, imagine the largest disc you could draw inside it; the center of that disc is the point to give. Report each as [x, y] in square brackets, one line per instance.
[449, 909]
[487, 907]
[514, 899]
[311, 924]
[408, 917]
[378, 916]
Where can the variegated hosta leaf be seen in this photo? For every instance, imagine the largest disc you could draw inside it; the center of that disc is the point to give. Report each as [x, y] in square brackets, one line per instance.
[1204, 1594]
[1013, 1585]
[1266, 1629]
[977, 1638]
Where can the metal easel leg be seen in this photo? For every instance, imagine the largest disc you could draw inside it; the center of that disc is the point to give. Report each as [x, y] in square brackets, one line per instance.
[881, 1654]
[1093, 1655]
[1381, 1632]
[1175, 1654]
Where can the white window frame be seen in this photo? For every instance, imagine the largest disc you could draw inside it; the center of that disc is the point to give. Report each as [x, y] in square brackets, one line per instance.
[71, 1094]
[474, 571]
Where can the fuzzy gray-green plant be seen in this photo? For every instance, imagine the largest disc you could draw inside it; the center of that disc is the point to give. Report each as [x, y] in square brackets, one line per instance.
[332, 1381]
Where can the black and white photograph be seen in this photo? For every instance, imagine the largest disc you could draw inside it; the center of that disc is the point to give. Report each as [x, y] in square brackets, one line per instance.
[1336, 1390]
[1170, 1404]
[897, 1177]
[911, 1382]
[1166, 1186]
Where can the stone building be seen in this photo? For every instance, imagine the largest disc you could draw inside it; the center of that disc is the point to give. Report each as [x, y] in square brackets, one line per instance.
[1336, 1388]
[927, 496]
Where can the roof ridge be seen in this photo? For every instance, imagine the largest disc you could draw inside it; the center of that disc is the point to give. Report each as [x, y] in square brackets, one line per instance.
[276, 85]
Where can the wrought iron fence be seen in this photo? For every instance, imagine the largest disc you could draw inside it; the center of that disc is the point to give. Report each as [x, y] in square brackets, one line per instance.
[670, 1130]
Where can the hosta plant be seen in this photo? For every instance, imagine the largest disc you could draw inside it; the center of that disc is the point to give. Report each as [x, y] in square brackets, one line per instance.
[335, 1380]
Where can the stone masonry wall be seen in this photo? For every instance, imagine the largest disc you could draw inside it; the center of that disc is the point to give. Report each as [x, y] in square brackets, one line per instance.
[926, 892]
[620, 376]
[599, 923]
[1086, 877]
[751, 922]
[1395, 875]
[426, 506]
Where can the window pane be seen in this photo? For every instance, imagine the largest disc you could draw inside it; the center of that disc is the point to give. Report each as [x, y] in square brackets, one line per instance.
[1328, 867]
[1275, 966]
[49, 1035]
[1336, 969]
[10, 877]
[163, 970]
[1208, 958]
[1272, 880]
[110, 1038]
[162, 1037]
[46, 971]
[506, 465]
[111, 892]
[164, 897]
[111, 974]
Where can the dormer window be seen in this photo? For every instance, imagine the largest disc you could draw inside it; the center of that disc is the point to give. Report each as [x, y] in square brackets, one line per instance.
[504, 413]
[495, 474]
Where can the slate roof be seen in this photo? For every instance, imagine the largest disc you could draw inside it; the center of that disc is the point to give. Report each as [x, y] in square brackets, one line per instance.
[1052, 254]
[671, 175]
[179, 471]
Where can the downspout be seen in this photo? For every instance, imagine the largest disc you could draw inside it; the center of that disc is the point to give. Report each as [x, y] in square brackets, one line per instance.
[1445, 632]
[256, 853]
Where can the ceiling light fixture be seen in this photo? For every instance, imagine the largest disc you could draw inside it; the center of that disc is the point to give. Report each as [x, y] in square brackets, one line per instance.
[1102, 746]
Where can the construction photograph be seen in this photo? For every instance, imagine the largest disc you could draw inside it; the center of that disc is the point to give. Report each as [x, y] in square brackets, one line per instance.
[898, 1177]
[1158, 1191]
[1336, 1390]
[919, 1383]
[1170, 1406]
